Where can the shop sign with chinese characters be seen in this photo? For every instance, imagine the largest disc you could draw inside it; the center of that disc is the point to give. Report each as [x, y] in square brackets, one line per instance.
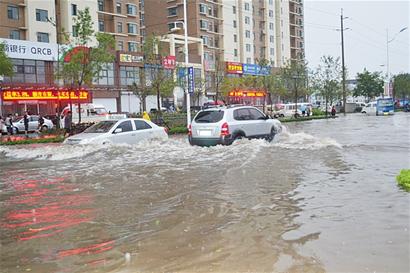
[234, 68]
[17, 95]
[169, 62]
[247, 94]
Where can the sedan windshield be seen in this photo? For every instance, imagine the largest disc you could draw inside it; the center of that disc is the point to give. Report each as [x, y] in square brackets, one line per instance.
[101, 127]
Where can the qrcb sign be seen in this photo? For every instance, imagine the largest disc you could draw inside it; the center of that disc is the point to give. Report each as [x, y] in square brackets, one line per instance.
[17, 49]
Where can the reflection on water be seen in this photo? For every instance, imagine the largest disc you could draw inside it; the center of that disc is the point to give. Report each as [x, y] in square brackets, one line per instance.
[299, 204]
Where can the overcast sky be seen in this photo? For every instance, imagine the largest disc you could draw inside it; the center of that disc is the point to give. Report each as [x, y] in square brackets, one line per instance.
[365, 42]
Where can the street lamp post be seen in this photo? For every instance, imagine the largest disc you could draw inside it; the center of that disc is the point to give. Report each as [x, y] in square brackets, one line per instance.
[387, 54]
[188, 97]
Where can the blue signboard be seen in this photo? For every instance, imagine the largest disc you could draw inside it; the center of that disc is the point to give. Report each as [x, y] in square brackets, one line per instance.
[255, 70]
[191, 82]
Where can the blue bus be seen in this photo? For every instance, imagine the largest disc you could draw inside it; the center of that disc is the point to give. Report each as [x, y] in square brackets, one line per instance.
[385, 106]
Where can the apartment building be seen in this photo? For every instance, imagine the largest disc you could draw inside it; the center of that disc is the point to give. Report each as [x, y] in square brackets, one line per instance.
[297, 40]
[28, 20]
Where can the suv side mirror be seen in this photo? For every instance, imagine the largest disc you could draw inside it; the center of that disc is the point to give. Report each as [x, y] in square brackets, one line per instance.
[118, 130]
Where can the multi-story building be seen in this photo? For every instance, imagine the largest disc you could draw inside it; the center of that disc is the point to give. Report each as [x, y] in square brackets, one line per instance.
[297, 46]
[28, 20]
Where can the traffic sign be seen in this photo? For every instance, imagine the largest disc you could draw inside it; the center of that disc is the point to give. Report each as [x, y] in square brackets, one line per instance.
[191, 82]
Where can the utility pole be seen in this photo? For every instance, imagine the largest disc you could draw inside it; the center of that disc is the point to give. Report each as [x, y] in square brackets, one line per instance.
[343, 64]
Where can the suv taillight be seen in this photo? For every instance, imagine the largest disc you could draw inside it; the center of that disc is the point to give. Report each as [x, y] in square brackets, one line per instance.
[225, 129]
[189, 130]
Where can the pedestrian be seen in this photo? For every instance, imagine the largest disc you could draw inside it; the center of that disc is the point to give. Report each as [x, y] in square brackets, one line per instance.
[303, 108]
[9, 124]
[308, 111]
[26, 120]
[40, 123]
[146, 116]
[2, 125]
[333, 111]
[57, 120]
[67, 124]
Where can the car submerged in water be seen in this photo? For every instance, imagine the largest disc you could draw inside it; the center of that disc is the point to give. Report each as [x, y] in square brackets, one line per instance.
[224, 125]
[123, 131]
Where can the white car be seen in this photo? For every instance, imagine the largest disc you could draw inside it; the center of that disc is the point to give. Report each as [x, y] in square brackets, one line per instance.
[128, 131]
[370, 108]
[18, 125]
[224, 125]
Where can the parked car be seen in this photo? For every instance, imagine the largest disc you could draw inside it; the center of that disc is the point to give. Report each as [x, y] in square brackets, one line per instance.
[224, 125]
[18, 124]
[128, 131]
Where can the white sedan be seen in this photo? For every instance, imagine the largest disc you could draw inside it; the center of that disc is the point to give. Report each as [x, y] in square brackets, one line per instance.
[18, 125]
[128, 131]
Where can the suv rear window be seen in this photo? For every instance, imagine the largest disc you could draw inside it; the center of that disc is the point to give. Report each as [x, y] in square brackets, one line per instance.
[209, 116]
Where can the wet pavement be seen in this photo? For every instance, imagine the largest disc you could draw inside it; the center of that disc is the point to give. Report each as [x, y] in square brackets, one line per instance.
[321, 198]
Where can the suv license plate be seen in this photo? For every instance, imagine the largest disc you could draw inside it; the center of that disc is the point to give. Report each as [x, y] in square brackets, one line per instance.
[205, 133]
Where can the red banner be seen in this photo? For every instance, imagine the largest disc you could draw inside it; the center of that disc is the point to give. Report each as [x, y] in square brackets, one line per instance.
[169, 62]
[16, 95]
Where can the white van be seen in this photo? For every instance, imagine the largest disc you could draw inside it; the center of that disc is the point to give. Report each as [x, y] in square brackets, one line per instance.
[370, 108]
[289, 110]
[90, 113]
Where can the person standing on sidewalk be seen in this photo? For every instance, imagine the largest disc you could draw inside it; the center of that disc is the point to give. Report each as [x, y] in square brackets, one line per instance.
[67, 124]
[26, 120]
[40, 123]
[9, 124]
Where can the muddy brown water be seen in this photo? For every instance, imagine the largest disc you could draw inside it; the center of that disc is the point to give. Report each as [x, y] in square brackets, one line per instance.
[321, 198]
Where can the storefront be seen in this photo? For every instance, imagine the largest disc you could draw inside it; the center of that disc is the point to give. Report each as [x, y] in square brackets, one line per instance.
[40, 100]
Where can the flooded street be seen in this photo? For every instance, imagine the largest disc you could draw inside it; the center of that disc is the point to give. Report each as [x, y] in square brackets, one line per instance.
[321, 198]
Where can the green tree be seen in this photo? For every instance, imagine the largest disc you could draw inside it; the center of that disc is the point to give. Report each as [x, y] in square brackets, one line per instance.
[369, 85]
[86, 63]
[161, 81]
[6, 66]
[295, 77]
[141, 90]
[327, 79]
[401, 86]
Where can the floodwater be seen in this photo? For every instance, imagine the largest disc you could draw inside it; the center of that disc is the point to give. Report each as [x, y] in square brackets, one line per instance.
[321, 198]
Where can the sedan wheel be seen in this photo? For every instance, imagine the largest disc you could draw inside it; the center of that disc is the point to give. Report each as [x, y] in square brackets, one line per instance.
[271, 135]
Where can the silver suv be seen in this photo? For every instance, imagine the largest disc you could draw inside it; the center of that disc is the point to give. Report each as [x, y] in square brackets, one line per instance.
[226, 124]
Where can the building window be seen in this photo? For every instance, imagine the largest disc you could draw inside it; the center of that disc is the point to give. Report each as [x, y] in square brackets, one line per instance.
[171, 26]
[131, 9]
[132, 46]
[234, 23]
[247, 34]
[235, 38]
[120, 45]
[132, 28]
[248, 48]
[270, 2]
[202, 8]
[13, 12]
[172, 11]
[271, 26]
[247, 20]
[14, 34]
[235, 52]
[41, 15]
[246, 6]
[101, 5]
[211, 11]
[272, 51]
[271, 38]
[43, 37]
[101, 26]
[75, 31]
[119, 27]
[248, 60]
[73, 9]
[234, 9]
[118, 6]
[203, 24]
[271, 13]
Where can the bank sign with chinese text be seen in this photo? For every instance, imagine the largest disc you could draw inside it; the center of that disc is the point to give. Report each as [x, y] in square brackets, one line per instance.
[16, 95]
[18, 49]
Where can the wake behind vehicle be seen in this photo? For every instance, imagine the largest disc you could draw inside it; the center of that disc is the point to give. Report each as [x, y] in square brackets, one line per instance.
[123, 131]
[224, 125]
